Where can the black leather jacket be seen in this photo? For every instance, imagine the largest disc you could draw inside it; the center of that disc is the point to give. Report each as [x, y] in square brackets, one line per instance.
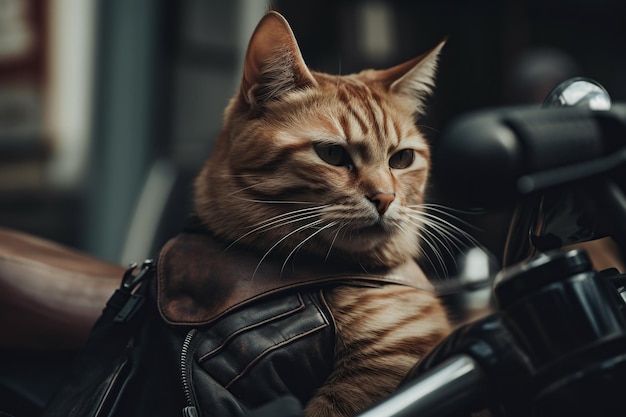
[212, 333]
[253, 333]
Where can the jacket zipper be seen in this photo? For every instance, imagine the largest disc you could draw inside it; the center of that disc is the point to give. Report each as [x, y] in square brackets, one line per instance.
[190, 409]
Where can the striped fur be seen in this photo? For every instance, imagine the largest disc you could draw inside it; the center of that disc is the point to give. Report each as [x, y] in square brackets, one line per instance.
[267, 187]
[382, 332]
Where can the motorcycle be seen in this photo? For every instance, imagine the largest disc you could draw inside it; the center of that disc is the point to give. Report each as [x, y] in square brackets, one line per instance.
[555, 340]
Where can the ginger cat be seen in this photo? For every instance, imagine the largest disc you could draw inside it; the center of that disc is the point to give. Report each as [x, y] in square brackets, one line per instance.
[332, 168]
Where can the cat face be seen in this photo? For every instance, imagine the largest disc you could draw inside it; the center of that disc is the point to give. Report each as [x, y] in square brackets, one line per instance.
[331, 166]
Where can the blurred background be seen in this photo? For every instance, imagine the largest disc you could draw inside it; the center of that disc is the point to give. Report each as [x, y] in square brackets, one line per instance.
[108, 108]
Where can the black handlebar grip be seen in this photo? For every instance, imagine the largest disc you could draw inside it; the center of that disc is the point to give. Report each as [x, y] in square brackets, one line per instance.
[483, 158]
[555, 137]
[477, 155]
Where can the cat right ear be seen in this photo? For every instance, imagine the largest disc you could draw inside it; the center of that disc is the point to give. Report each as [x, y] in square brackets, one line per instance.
[273, 65]
[414, 79]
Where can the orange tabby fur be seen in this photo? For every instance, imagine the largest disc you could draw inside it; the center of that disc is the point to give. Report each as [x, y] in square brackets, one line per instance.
[266, 186]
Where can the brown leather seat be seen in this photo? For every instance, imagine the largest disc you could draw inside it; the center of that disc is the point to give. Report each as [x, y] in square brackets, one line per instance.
[50, 295]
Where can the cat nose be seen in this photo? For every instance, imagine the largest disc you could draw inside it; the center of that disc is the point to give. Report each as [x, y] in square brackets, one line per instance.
[382, 201]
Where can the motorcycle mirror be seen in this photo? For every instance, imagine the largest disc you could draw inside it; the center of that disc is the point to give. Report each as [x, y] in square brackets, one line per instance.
[579, 92]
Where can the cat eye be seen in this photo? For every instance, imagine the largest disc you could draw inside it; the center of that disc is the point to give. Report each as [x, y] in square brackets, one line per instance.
[402, 159]
[333, 154]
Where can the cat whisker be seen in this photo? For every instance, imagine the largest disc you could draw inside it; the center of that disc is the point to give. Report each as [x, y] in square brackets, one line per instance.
[279, 221]
[288, 216]
[251, 200]
[428, 127]
[450, 232]
[446, 211]
[299, 245]
[434, 250]
[299, 229]
[332, 242]
[242, 190]
[449, 225]
[437, 231]
[440, 238]
[445, 239]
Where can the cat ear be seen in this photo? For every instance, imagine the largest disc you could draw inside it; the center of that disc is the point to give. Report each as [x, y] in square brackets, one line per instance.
[273, 65]
[414, 79]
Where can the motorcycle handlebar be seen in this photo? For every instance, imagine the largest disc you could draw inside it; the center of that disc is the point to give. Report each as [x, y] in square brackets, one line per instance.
[495, 156]
[456, 384]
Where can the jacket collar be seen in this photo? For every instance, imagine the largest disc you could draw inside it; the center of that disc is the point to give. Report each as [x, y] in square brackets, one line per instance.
[200, 278]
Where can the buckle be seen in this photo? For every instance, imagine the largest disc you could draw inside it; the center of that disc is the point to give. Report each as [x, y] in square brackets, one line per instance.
[130, 280]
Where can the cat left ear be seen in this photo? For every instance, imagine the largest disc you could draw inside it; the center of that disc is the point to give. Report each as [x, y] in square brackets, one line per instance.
[414, 79]
[273, 64]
